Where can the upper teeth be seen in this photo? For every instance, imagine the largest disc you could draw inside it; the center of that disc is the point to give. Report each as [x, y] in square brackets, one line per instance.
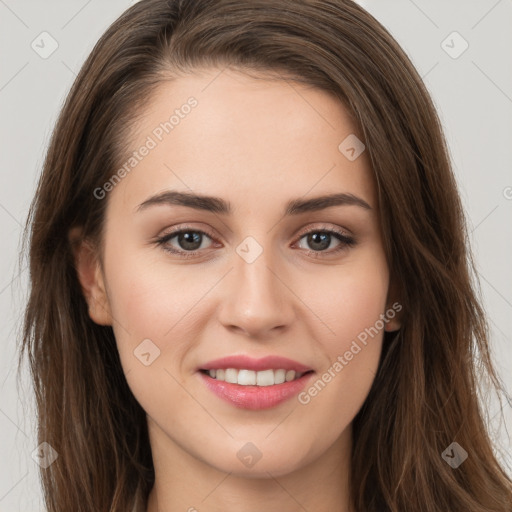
[252, 378]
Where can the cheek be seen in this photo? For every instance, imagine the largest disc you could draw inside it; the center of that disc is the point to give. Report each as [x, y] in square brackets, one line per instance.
[150, 295]
[156, 313]
[350, 337]
[350, 300]
[158, 302]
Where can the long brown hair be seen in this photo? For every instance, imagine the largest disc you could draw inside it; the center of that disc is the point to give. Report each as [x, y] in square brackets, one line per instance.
[425, 394]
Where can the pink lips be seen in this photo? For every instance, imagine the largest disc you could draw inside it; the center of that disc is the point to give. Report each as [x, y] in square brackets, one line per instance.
[255, 397]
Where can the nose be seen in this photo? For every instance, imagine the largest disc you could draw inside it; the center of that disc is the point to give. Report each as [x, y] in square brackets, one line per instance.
[257, 300]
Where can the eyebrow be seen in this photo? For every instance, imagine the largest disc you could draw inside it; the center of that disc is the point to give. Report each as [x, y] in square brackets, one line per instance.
[218, 205]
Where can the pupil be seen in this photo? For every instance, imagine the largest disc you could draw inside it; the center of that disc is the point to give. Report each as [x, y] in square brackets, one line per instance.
[314, 239]
[187, 242]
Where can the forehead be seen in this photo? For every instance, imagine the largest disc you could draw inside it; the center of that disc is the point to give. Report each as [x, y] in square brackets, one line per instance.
[227, 134]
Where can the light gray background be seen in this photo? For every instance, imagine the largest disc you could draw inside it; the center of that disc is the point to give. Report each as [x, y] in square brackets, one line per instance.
[473, 94]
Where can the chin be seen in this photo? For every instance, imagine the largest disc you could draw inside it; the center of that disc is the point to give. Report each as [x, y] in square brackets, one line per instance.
[249, 462]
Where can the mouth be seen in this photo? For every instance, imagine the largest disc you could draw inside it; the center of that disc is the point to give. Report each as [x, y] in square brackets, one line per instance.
[262, 378]
[254, 384]
[254, 390]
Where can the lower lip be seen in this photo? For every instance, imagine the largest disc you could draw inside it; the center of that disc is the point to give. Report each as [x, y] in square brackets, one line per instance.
[255, 397]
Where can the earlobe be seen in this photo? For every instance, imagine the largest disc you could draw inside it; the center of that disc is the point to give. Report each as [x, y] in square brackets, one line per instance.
[393, 324]
[394, 308]
[90, 276]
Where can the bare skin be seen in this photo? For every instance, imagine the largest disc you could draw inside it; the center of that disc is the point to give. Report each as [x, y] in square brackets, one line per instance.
[257, 144]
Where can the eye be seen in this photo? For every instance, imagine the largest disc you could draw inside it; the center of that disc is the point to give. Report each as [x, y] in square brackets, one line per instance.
[189, 242]
[320, 240]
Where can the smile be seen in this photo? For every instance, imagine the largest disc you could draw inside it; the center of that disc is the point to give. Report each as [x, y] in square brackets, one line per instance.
[255, 397]
[254, 378]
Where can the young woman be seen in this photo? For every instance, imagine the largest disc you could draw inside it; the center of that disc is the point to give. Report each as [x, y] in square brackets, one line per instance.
[250, 281]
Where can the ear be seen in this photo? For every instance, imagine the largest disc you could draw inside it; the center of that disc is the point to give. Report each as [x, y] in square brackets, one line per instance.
[90, 276]
[394, 307]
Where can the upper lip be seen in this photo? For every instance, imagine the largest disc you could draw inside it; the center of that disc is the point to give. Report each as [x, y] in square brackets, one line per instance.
[242, 362]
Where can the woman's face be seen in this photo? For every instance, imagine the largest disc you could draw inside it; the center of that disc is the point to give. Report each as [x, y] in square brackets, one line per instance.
[264, 270]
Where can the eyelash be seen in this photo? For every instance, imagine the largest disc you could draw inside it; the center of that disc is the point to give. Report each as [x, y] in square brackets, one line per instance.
[345, 241]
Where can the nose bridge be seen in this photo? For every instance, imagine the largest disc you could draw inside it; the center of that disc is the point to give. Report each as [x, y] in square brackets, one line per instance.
[257, 300]
[252, 269]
